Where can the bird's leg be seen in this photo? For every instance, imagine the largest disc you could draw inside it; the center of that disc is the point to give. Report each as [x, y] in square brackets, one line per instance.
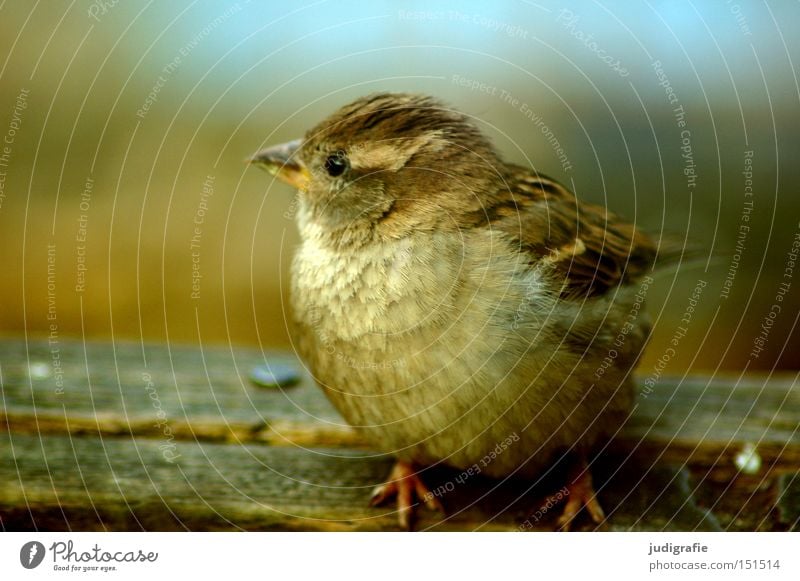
[405, 484]
[581, 494]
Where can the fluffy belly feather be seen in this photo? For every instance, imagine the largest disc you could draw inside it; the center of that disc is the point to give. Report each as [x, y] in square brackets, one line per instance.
[450, 376]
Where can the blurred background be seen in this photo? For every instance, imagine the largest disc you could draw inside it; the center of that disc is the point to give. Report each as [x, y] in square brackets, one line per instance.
[127, 212]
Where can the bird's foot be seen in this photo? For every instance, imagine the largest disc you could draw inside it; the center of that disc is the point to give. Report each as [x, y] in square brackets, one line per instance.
[581, 494]
[405, 484]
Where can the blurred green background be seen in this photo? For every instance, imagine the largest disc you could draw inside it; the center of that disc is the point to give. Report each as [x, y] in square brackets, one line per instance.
[126, 124]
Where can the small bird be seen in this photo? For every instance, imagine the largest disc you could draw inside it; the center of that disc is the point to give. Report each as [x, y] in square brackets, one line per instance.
[455, 308]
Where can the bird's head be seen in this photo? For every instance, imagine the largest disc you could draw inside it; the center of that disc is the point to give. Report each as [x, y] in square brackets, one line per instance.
[387, 164]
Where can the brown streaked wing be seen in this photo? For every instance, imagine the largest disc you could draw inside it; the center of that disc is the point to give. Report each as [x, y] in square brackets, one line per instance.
[591, 248]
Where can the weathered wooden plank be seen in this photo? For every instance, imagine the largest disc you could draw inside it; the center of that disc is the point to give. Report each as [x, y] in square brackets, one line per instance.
[89, 483]
[134, 381]
[60, 471]
[92, 483]
[132, 389]
[789, 501]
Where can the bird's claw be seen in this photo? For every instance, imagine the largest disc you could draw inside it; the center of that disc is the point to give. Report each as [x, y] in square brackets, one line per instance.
[405, 484]
[581, 495]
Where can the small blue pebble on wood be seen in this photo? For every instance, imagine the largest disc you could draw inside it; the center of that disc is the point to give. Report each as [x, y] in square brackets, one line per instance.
[274, 375]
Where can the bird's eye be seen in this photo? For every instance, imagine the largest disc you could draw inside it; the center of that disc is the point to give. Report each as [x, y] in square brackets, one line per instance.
[336, 164]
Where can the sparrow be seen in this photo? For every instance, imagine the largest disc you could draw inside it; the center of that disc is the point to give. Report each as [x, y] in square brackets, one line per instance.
[456, 308]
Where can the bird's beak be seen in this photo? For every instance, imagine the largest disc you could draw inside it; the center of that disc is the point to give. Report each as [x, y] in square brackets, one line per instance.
[282, 162]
